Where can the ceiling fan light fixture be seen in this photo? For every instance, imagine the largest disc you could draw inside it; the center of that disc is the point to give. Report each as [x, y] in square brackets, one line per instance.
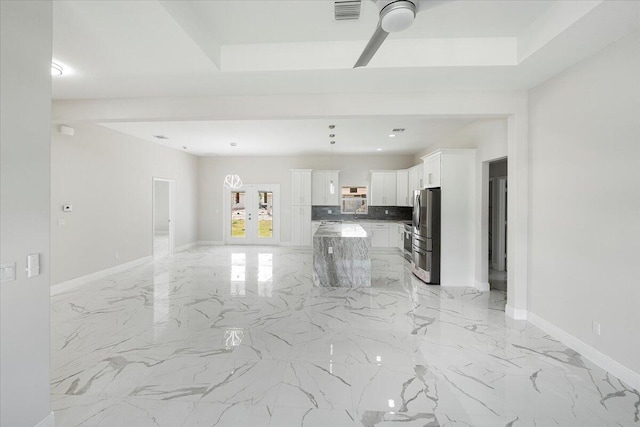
[397, 16]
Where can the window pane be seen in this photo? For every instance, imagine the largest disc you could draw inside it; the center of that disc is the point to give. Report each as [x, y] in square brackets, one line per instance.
[265, 214]
[238, 212]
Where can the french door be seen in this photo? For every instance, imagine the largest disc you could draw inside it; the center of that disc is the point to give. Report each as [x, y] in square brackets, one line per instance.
[252, 215]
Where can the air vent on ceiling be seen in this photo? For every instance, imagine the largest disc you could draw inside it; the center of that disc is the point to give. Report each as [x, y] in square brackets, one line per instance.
[397, 130]
[348, 9]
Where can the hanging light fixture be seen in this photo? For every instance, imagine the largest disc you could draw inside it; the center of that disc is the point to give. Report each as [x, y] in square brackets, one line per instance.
[332, 187]
[232, 181]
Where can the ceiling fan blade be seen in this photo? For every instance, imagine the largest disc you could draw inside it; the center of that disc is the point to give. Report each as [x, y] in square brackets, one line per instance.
[428, 4]
[372, 47]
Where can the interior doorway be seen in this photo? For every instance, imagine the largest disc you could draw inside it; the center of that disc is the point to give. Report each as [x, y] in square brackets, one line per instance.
[498, 225]
[252, 214]
[162, 218]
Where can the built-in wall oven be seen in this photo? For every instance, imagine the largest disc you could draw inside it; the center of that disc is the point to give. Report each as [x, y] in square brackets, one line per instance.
[408, 240]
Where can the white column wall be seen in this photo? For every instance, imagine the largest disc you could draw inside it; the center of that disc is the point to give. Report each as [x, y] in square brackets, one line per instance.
[25, 157]
[585, 202]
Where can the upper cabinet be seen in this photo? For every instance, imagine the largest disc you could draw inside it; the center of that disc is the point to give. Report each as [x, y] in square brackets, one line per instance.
[432, 168]
[325, 188]
[403, 196]
[301, 187]
[383, 188]
[415, 181]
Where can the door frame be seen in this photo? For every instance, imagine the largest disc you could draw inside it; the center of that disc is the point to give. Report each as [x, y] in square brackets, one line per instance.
[498, 221]
[226, 217]
[172, 198]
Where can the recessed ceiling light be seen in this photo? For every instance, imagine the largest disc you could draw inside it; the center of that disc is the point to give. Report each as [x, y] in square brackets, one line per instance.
[160, 137]
[391, 135]
[56, 69]
[332, 142]
[184, 147]
[233, 144]
[332, 126]
[378, 149]
[331, 135]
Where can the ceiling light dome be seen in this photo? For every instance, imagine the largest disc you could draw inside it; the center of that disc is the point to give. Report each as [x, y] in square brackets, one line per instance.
[397, 16]
[56, 69]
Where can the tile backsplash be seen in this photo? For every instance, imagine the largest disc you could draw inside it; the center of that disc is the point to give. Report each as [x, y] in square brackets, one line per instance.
[394, 213]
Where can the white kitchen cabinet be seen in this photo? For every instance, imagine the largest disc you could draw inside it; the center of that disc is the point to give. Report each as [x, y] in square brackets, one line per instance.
[432, 170]
[301, 226]
[301, 207]
[321, 194]
[314, 227]
[301, 187]
[415, 181]
[383, 188]
[394, 235]
[403, 197]
[379, 233]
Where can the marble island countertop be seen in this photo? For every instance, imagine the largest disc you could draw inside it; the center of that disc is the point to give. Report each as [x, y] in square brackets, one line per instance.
[337, 229]
[341, 256]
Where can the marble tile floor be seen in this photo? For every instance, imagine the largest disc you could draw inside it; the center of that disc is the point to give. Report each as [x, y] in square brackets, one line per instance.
[239, 336]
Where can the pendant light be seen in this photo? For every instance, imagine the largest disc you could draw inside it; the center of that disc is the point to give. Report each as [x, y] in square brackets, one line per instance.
[232, 181]
[332, 187]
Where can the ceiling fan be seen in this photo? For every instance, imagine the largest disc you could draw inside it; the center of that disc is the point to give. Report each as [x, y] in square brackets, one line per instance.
[395, 15]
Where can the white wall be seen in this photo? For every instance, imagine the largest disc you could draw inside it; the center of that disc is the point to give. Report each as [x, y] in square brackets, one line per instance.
[276, 170]
[161, 206]
[585, 201]
[107, 176]
[25, 108]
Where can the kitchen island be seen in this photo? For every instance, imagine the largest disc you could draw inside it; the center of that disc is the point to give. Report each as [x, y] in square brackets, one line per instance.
[341, 256]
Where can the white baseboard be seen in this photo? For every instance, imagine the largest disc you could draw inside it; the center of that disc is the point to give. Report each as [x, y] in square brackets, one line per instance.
[517, 314]
[78, 281]
[483, 286]
[186, 247]
[605, 362]
[48, 421]
[456, 285]
[209, 243]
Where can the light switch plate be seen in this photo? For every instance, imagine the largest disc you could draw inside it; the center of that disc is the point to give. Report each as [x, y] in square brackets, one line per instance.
[7, 272]
[33, 265]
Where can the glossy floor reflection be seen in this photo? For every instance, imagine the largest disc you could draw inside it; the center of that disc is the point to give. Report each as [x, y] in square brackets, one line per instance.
[234, 336]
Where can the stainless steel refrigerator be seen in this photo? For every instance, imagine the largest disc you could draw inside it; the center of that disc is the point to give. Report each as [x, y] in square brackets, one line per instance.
[426, 235]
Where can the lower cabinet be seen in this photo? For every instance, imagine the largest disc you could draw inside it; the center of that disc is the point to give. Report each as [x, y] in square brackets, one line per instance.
[396, 236]
[379, 233]
[314, 227]
[301, 226]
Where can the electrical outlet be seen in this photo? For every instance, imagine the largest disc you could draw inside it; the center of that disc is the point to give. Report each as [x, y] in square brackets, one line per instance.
[596, 327]
[330, 250]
